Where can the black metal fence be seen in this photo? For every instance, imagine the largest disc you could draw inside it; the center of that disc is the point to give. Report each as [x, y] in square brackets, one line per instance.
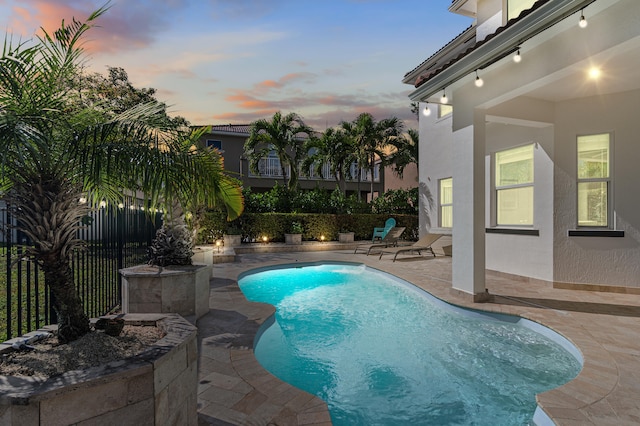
[115, 238]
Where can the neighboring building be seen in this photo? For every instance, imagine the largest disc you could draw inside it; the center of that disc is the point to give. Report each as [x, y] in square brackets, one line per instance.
[408, 180]
[229, 139]
[536, 170]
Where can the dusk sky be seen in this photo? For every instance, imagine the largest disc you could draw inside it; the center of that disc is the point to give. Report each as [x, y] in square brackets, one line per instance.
[235, 61]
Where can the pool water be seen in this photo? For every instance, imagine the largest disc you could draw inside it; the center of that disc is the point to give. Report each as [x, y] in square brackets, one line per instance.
[380, 351]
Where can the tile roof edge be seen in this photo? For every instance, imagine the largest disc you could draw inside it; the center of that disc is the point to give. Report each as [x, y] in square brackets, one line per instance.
[538, 4]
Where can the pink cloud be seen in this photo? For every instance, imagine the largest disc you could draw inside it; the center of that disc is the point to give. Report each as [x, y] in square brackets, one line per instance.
[124, 26]
[246, 102]
[268, 84]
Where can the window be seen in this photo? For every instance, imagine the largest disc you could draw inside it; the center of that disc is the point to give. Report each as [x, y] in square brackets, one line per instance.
[515, 7]
[514, 186]
[446, 203]
[444, 110]
[594, 171]
[214, 144]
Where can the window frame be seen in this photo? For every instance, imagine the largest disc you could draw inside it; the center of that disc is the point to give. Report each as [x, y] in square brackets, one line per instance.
[210, 143]
[608, 180]
[441, 205]
[448, 113]
[497, 188]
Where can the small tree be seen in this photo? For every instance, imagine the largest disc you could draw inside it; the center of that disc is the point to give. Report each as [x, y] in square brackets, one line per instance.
[57, 147]
[406, 151]
[370, 137]
[335, 148]
[285, 135]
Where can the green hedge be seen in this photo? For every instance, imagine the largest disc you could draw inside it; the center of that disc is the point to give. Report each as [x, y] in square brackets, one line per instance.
[253, 226]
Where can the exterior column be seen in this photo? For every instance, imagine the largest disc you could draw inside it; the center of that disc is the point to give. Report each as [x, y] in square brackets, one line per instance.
[469, 210]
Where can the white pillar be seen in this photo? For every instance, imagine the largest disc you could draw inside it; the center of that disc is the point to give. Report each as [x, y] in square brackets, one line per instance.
[469, 210]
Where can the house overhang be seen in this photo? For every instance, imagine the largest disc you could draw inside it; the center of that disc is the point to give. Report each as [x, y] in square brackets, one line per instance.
[499, 46]
[464, 7]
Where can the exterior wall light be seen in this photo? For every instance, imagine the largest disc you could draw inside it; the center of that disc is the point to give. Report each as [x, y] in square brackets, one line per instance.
[444, 97]
[426, 112]
[583, 21]
[517, 58]
[479, 82]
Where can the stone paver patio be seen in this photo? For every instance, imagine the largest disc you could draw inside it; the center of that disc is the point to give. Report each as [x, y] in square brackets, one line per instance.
[235, 390]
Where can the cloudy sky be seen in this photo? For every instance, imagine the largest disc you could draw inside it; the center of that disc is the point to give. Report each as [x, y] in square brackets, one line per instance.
[234, 61]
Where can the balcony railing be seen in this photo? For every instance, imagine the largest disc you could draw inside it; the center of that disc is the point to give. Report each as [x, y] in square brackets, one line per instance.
[270, 168]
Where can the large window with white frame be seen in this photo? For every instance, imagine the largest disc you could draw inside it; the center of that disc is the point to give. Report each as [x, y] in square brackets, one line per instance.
[515, 7]
[446, 203]
[594, 180]
[514, 186]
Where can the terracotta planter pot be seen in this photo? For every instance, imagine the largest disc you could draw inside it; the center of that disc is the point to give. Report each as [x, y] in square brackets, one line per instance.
[232, 240]
[295, 239]
[346, 237]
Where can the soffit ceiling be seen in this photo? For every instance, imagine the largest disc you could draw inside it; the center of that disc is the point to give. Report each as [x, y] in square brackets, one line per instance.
[620, 71]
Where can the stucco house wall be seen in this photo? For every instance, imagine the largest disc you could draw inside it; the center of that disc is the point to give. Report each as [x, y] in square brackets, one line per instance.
[546, 99]
[599, 260]
[435, 164]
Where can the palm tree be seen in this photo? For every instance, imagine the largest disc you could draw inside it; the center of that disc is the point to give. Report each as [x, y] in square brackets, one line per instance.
[406, 151]
[56, 149]
[370, 138]
[334, 147]
[283, 134]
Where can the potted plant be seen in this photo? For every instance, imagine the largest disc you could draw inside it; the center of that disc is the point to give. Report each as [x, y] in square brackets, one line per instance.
[232, 237]
[346, 236]
[295, 234]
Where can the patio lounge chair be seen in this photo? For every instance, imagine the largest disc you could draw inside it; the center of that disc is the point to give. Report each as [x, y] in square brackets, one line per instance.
[381, 232]
[389, 240]
[424, 243]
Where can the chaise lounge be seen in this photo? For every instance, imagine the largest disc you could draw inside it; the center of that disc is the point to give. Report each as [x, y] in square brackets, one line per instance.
[424, 243]
[389, 240]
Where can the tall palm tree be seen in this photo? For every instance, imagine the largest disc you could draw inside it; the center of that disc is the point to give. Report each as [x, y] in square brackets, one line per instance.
[406, 151]
[335, 148]
[370, 138]
[283, 134]
[56, 149]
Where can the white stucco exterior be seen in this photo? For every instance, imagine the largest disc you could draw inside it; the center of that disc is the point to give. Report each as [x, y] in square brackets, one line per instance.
[546, 100]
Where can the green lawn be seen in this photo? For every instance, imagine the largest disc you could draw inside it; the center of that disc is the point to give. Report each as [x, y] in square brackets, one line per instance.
[96, 276]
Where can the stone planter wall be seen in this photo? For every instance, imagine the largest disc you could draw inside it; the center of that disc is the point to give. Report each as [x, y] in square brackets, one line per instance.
[293, 239]
[203, 255]
[156, 387]
[182, 290]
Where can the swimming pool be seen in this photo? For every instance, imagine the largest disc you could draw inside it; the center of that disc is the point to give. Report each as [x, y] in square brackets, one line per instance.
[380, 351]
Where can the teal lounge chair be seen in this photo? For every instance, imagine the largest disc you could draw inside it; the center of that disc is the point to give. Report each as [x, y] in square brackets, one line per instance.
[379, 233]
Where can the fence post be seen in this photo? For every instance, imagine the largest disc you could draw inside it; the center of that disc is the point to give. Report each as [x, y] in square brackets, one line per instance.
[8, 233]
[120, 217]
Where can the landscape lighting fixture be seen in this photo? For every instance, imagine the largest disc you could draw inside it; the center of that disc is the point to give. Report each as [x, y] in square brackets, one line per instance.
[517, 58]
[444, 97]
[479, 82]
[583, 21]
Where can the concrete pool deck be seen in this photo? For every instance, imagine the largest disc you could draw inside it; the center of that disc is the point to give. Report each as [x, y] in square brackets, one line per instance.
[235, 390]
